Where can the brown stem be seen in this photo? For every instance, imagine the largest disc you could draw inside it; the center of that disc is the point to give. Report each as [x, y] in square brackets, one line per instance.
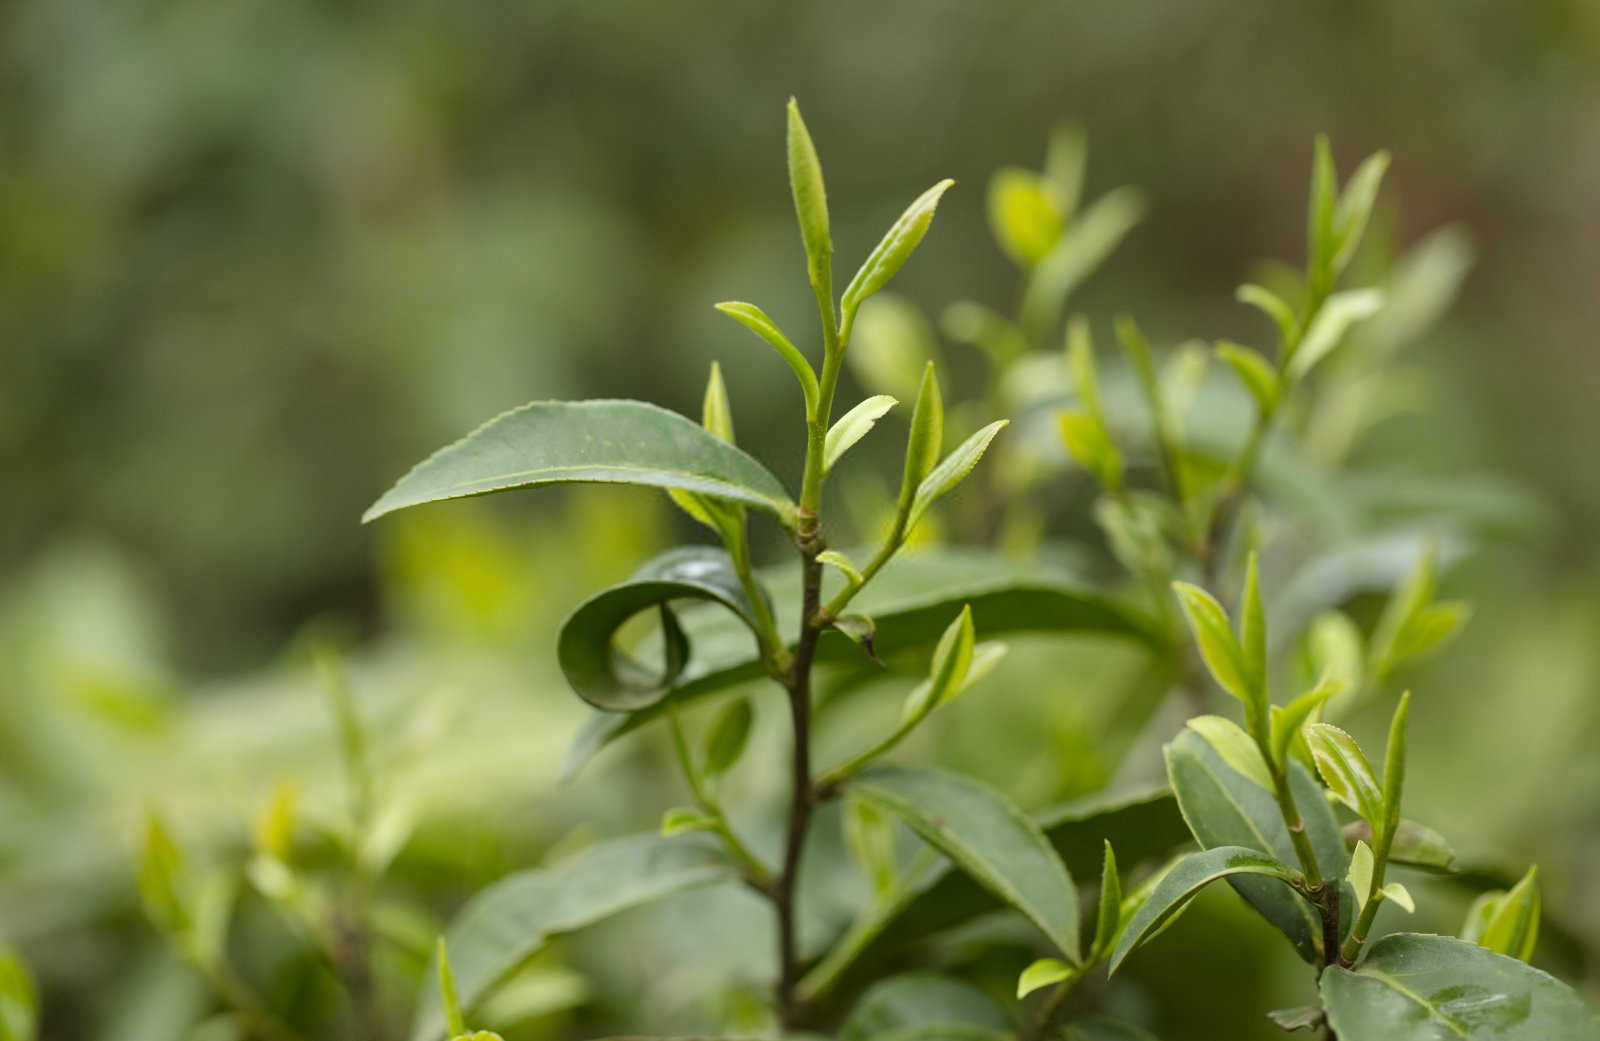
[803, 795]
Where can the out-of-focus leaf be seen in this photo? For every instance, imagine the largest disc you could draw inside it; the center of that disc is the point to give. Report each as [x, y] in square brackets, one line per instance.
[680, 819]
[1339, 312]
[1273, 306]
[160, 876]
[609, 679]
[1413, 987]
[895, 248]
[1223, 808]
[1254, 371]
[1085, 437]
[1024, 216]
[911, 602]
[19, 999]
[553, 442]
[274, 827]
[507, 922]
[988, 837]
[869, 835]
[1094, 234]
[1188, 877]
[967, 321]
[1307, 1017]
[728, 736]
[1046, 972]
[1355, 207]
[1512, 925]
[1414, 845]
[890, 345]
[919, 1000]
[449, 1000]
[853, 426]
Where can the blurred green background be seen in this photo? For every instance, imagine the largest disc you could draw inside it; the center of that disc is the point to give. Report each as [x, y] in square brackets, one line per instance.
[258, 258]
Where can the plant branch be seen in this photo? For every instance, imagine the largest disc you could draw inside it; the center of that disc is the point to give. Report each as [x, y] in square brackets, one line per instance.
[756, 874]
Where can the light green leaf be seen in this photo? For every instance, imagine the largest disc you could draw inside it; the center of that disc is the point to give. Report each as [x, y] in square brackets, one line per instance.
[898, 1006]
[1188, 877]
[1355, 206]
[160, 876]
[1093, 236]
[1253, 646]
[951, 471]
[273, 831]
[1319, 215]
[1338, 313]
[680, 819]
[756, 320]
[716, 413]
[609, 679]
[988, 837]
[1065, 160]
[506, 923]
[728, 736]
[1400, 895]
[1237, 748]
[455, 1023]
[1223, 808]
[841, 563]
[1214, 636]
[552, 442]
[1394, 764]
[1345, 770]
[1045, 972]
[19, 999]
[890, 345]
[1362, 866]
[810, 200]
[895, 248]
[926, 439]
[1426, 632]
[1108, 918]
[1273, 306]
[1088, 442]
[967, 321]
[1513, 926]
[1024, 216]
[1288, 719]
[952, 657]
[1254, 371]
[869, 836]
[1333, 651]
[853, 426]
[1413, 987]
[860, 629]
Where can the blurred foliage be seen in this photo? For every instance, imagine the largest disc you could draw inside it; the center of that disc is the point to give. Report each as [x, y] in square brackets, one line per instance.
[255, 258]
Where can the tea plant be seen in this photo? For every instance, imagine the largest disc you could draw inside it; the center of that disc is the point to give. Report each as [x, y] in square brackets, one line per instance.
[1285, 806]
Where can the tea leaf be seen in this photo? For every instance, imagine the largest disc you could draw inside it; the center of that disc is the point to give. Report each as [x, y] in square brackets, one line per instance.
[841, 563]
[1287, 720]
[680, 819]
[810, 200]
[1253, 646]
[1319, 215]
[1400, 895]
[1237, 748]
[612, 680]
[966, 321]
[1109, 915]
[553, 442]
[1023, 215]
[1045, 972]
[1223, 808]
[951, 471]
[926, 438]
[1412, 987]
[1222, 654]
[894, 249]
[988, 837]
[728, 736]
[869, 835]
[1338, 313]
[952, 657]
[1345, 770]
[756, 320]
[1362, 866]
[274, 827]
[853, 426]
[1355, 206]
[1086, 439]
[1512, 926]
[890, 345]
[1103, 1028]
[1093, 236]
[923, 1006]
[1254, 371]
[455, 1023]
[1273, 306]
[716, 414]
[506, 923]
[160, 876]
[1188, 877]
[19, 999]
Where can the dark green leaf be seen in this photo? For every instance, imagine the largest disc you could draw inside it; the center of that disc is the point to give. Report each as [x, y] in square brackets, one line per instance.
[507, 922]
[1223, 808]
[1188, 877]
[911, 602]
[553, 442]
[1413, 987]
[609, 679]
[988, 837]
[920, 999]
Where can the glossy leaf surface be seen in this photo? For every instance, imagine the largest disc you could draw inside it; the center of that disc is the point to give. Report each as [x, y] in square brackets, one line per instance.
[554, 442]
[1415, 987]
[987, 836]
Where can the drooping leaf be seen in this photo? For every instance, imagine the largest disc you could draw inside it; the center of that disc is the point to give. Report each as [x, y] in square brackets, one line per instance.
[911, 602]
[610, 679]
[842, 564]
[1414, 987]
[895, 248]
[1188, 877]
[552, 442]
[1223, 808]
[988, 837]
[1271, 305]
[917, 1000]
[756, 320]
[951, 470]
[1400, 896]
[728, 736]
[853, 426]
[504, 924]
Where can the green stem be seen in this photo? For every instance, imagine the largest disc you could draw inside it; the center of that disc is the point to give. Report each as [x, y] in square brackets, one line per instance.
[1369, 911]
[756, 873]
